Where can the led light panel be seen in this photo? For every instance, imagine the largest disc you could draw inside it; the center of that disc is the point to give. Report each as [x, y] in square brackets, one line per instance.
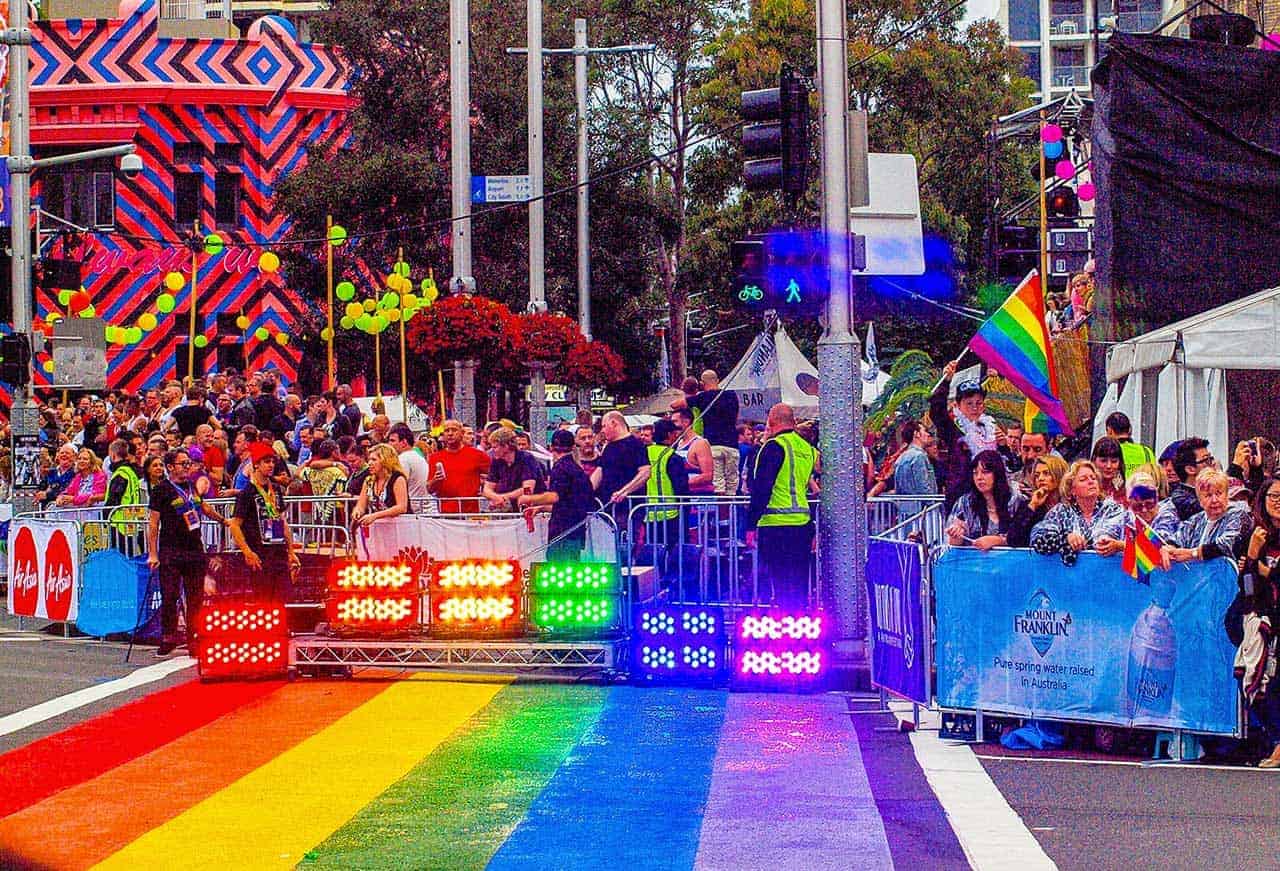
[242, 639]
[678, 643]
[780, 648]
[373, 611]
[575, 612]
[474, 574]
[371, 576]
[575, 578]
[475, 597]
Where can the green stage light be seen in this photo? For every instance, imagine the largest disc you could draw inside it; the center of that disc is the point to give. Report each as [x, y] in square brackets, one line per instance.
[574, 612]
[576, 578]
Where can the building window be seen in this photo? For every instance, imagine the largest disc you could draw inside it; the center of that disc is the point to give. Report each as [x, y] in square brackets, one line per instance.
[1067, 18]
[84, 194]
[1024, 20]
[227, 153]
[226, 195]
[1031, 63]
[188, 152]
[187, 189]
[1069, 69]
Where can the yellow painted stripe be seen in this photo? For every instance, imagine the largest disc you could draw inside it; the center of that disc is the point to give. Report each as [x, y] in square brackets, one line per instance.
[271, 817]
[1020, 312]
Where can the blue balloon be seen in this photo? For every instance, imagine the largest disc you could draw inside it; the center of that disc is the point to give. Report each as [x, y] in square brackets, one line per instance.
[1053, 150]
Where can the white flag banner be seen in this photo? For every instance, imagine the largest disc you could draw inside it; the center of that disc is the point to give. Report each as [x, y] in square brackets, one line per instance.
[44, 569]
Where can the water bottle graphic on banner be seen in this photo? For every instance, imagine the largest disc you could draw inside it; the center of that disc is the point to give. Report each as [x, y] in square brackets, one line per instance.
[1153, 655]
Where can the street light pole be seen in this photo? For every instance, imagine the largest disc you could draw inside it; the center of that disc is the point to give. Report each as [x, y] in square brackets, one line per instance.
[537, 247]
[464, 371]
[843, 518]
[581, 52]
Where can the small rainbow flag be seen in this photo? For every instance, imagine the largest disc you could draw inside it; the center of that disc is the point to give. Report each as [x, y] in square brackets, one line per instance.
[1015, 342]
[1141, 549]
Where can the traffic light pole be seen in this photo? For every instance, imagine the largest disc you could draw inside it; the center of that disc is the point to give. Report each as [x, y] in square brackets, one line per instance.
[464, 371]
[843, 519]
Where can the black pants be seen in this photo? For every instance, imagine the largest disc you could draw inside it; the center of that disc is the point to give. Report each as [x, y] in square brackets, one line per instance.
[784, 554]
[569, 548]
[180, 574]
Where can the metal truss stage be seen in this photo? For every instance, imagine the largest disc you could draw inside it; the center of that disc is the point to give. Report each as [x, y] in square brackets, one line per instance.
[308, 652]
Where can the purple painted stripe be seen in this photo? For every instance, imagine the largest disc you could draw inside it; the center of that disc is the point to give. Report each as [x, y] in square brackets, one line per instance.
[789, 791]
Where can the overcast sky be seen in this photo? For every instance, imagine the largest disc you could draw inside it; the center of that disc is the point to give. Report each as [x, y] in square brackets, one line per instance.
[980, 9]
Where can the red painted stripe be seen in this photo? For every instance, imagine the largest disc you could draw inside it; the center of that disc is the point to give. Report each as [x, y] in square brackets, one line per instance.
[81, 826]
[42, 768]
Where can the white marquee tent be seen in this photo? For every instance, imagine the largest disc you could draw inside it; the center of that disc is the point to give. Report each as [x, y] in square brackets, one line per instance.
[1171, 382]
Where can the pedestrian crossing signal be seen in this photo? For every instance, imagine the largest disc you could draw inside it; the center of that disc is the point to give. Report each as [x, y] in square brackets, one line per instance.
[782, 270]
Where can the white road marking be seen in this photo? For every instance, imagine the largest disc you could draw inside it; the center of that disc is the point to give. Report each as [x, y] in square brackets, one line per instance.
[87, 696]
[991, 833]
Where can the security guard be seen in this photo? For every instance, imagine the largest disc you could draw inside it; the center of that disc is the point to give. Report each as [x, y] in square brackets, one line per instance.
[668, 477]
[778, 522]
[124, 488]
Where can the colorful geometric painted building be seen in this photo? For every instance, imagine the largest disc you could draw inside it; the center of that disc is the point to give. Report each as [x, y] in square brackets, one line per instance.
[217, 123]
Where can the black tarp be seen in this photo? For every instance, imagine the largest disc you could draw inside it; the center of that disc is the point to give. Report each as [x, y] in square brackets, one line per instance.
[1186, 158]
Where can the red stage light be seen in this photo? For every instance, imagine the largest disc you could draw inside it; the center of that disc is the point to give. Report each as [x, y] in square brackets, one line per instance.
[476, 596]
[381, 576]
[242, 639]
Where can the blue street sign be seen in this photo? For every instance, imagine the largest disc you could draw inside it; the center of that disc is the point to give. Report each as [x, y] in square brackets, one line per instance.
[500, 188]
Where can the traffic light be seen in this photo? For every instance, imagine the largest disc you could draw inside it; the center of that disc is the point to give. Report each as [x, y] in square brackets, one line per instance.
[15, 360]
[1062, 202]
[693, 344]
[776, 144]
[784, 270]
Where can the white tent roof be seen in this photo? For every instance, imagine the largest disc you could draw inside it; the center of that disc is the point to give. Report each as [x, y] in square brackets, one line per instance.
[1243, 334]
[773, 370]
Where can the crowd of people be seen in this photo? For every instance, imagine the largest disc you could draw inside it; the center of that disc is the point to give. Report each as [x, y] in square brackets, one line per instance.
[1003, 487]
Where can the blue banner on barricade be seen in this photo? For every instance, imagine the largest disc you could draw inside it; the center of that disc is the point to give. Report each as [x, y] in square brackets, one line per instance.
[113, 594]
[1021, 633]
[898, 624]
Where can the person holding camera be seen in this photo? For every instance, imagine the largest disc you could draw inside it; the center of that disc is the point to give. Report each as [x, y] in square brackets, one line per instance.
[1251, 462]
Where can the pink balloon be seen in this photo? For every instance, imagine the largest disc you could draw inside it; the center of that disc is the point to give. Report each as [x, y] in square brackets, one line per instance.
[1271, 42]
[1086, 191]
[1065, 170]
[1051, 133]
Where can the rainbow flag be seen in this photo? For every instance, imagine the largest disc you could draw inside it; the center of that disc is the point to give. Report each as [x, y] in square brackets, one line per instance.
[1141, 549]
[1015, 342]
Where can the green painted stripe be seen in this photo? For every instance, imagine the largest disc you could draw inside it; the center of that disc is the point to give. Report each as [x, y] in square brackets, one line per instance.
[458, 805]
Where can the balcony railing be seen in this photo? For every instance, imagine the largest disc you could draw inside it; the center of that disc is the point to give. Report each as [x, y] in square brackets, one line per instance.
[194, 10]
[1138, 22]
[1069, 25]
[1071, 77]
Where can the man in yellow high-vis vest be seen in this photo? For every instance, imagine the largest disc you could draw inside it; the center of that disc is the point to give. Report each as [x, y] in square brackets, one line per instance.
[778, 523]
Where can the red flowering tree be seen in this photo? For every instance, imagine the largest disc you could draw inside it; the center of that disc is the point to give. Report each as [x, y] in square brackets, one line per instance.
[545, 339]
[592, 364]
[459, 328]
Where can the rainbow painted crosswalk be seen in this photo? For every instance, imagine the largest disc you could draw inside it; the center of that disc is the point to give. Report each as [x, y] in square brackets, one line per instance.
[435, 772]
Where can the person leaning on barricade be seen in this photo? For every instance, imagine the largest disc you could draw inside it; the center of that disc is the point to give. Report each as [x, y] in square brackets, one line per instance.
[985, 507]
[1080, 519]
[570, 498]
[1046, 474]
[1144, 503]
[386, 490]
[1254, 615]
[1220, 528]
[260, 529]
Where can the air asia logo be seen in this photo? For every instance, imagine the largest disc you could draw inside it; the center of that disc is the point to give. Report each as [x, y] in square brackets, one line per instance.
[1041, 622]
[25, 574]
[58, 572]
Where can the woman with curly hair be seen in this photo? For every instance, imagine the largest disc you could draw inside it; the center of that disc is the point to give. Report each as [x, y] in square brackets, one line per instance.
[1082, 517]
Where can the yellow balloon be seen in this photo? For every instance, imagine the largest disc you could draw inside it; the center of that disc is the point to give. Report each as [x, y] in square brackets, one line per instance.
[175, 281]
[282, 338]
[370, 305]
[326, 334]
[392, 314]
[431, 294]
[354, 310]
[48, 365]
[269, 261]
[147, 321]
[242, 322]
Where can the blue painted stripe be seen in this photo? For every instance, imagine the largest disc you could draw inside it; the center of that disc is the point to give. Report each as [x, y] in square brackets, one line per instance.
[632, 794]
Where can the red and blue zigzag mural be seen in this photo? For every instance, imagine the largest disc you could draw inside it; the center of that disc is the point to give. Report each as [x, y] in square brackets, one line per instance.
[110, 81]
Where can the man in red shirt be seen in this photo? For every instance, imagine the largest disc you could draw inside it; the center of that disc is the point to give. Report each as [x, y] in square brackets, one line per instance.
[457, 472]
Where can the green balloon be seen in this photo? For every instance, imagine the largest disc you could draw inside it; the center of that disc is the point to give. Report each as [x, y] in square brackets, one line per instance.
[213, 244]
[64, 298]
[133, 335]
[346, 323]
[345, 291]
[109, 333]
[262, 334]
[364, 323]
[201, 341]
[390, 299]
[380, 323]
[337, 235]
[165, 302]
[402, 268]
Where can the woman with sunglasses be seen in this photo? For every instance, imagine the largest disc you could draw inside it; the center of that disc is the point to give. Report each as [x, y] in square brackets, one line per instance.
[1144, 502]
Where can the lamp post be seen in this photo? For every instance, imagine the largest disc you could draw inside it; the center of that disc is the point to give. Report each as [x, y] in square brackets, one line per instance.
[464, 371]
[24, 415]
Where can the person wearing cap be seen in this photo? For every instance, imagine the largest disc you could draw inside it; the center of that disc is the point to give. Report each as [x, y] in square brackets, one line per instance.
[258, 524]
[967, 430]
[570, 498]
[1143, 499]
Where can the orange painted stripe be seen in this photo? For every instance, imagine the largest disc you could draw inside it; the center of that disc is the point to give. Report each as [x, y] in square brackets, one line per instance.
[83, 825]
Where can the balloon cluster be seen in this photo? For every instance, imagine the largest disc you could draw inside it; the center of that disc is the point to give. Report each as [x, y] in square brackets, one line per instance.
[1053, 142]
[397, 303]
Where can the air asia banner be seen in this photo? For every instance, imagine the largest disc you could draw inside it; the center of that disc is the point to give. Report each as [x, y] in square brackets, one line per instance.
[898, 661]
[44, 570]
[1021, 633]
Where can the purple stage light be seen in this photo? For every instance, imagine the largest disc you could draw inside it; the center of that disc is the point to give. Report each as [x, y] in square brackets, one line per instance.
[775, 647]
[678, 643]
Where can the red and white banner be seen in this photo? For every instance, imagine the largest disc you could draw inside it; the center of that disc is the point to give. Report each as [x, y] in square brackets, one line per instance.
[421, 537]
[44, 569]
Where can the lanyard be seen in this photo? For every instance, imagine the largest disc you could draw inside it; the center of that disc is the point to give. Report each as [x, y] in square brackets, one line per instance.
[268, 502]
